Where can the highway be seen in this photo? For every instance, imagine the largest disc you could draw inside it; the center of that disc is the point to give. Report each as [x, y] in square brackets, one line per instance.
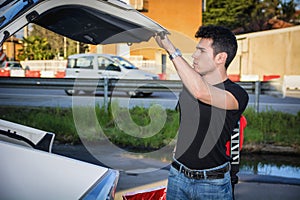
[168, 100]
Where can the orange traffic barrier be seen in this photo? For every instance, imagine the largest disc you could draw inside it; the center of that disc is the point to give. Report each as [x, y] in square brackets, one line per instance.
[270, 77]
[4, 72]
[60, 74]
[162, 76]
[32, 73]
[234, 77]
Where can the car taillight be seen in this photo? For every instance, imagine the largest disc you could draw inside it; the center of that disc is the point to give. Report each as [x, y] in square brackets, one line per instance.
[104, 188]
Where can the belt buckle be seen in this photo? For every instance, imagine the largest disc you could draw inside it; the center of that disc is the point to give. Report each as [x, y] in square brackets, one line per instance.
[193, 175]
[199, 175]
[188, 173]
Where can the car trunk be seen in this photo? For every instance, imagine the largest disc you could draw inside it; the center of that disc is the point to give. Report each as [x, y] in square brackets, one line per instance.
[89, 21]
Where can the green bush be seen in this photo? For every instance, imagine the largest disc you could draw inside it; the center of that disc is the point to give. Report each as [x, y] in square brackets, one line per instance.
[272, 127]
[92, 124]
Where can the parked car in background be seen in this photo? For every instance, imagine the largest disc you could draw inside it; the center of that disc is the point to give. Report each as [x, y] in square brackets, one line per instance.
[11, 65]
[98, 66]
[29, 170]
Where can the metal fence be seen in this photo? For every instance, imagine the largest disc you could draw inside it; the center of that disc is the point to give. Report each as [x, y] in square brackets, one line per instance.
[107, 85]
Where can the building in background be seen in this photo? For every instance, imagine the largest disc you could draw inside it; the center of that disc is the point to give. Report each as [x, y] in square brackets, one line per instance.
[181, 18]
[11, 47]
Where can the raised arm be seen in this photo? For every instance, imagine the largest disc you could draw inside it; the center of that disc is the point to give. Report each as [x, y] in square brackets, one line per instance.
[200, 81]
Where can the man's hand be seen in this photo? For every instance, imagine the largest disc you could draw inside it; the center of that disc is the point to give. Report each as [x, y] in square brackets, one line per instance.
[164, 42]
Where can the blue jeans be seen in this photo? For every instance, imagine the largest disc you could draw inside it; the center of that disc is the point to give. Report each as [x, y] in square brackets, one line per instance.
[181, 187]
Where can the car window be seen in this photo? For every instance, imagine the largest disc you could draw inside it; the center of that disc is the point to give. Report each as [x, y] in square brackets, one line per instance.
[11, 65]
[82, 62]
[15, 65]
[113, 67]
[124, 63]
[103, 62]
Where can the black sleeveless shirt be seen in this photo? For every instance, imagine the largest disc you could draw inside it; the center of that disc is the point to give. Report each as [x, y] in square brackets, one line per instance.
[205, 129]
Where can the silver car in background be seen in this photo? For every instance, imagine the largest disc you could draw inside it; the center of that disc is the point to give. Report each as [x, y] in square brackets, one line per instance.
[99, 66]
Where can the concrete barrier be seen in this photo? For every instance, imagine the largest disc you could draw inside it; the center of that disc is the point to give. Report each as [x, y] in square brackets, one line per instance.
[290, 82]
[17, 73]
[249, 77]
[47, 74]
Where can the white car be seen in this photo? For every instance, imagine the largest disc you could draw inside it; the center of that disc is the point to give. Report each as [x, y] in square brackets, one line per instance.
[99, 66]
[29, 170]
[11, 65]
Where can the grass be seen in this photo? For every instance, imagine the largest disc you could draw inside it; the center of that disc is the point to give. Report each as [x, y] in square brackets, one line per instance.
[272, 127]
[143, 128]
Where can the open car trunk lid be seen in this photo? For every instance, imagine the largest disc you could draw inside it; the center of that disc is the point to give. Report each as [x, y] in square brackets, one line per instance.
[88, 21]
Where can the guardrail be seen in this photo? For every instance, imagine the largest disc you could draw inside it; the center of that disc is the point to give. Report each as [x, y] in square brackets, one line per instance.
[106, 85]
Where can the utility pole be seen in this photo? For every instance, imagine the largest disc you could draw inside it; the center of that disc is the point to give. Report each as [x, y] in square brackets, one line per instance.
[65, 47]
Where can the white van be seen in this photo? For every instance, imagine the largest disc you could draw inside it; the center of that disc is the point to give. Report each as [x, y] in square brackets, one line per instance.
[105, 66]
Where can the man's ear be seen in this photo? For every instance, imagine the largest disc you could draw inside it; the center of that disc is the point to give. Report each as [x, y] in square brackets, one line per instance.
[221, 58]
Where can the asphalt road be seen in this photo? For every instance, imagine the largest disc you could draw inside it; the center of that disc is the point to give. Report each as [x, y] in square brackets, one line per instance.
[57, 98]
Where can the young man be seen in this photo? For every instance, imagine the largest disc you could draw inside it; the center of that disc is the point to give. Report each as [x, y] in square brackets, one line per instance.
[210, 107]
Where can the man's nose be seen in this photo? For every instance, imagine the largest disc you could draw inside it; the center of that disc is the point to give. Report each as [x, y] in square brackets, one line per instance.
[194, 55]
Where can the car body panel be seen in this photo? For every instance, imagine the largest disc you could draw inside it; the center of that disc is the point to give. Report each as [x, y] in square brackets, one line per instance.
[89, 21]
[26, 136]
[34, 174]
[29, 173]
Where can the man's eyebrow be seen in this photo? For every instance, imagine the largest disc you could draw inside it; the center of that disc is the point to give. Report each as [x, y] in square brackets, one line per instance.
[200, 48]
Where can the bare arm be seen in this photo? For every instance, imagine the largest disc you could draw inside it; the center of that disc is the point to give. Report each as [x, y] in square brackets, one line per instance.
[196, 84]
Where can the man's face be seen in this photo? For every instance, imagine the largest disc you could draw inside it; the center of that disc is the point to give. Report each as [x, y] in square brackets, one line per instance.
[203, 57]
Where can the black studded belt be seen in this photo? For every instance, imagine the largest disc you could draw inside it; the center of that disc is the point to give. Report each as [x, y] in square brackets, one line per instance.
[202, 174]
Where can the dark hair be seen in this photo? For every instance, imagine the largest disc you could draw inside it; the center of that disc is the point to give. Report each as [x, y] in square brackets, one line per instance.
[223, 40]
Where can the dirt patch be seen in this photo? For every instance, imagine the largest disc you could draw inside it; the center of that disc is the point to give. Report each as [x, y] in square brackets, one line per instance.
[270, 149]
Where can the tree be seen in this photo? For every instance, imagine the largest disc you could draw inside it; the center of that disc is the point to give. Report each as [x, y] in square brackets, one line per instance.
[232, 14]
[51, 45]
[288, 10]
[35, 48]
[262, 12]
[244, 16]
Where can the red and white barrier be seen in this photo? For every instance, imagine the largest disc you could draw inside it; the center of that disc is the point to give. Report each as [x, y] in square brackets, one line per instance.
[47, 74]
[270, 77]
[234, 77]
[17, 73]
[32, 73]
[60, 74]
[249, 77]
[5, 73]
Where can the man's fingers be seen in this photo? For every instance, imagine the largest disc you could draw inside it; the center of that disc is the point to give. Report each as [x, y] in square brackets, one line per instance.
[162, 35]
[158, 40]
